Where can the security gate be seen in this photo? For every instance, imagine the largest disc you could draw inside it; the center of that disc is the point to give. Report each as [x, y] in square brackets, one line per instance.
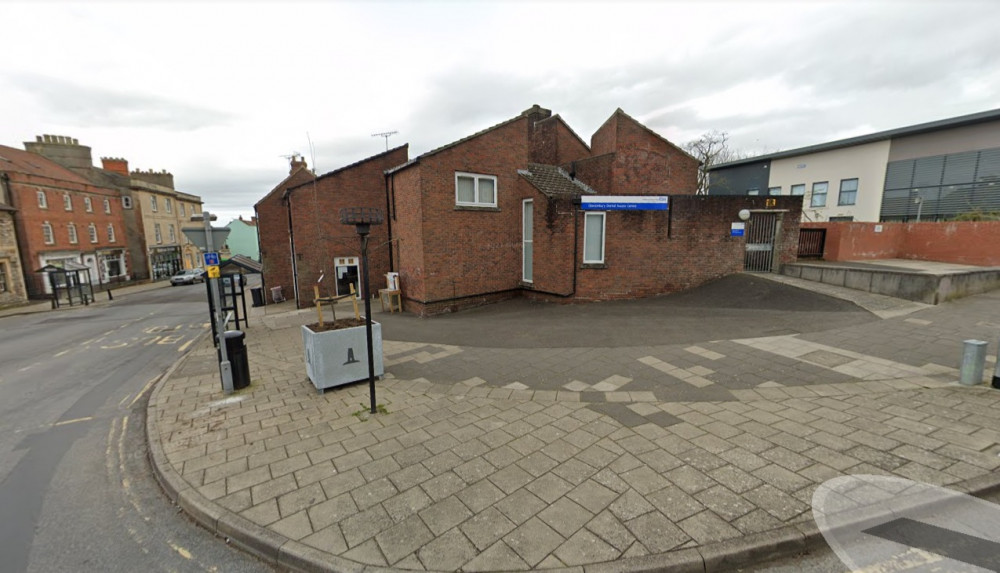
[761, 231]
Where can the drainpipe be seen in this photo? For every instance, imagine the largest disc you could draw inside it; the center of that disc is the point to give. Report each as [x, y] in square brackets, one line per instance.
[388, 222]
[291, 245]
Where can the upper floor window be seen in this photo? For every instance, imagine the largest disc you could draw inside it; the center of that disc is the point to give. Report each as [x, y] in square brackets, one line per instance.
[819, 194]
[848, 192]
[181, 207]
[43, 202]
[92, 229]
[111, 233]
[169, 205]
[3, 277]
[774, 190]
[67, 202]
[753, 192]
[126, 202]
[47, 235]
[107, 206]
[73, 239]
[799, 189]
[475, 190]
[173, 234]
[153, 204]
[157, 234]
[593, 238]
[88, 205]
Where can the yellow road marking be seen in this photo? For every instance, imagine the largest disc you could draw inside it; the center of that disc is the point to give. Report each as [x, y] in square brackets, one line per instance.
[185, 346]
[152, 341]
[114, 346]
[73, 421]
[58, 354]
[183, 552]
[171, 339]
[143, 391]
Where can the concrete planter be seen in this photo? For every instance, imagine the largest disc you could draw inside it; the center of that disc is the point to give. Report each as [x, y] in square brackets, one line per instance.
[338, 357]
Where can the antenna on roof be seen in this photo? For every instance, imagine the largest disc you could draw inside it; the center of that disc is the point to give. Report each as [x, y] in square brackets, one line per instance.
[386, 135]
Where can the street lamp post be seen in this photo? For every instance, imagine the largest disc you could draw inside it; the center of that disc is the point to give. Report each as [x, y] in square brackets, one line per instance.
[363, 218]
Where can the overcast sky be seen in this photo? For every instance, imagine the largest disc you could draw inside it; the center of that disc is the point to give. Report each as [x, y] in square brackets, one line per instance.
[219, 92]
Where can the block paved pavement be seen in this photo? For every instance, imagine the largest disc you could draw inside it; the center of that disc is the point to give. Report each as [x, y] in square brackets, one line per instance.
[684, 456]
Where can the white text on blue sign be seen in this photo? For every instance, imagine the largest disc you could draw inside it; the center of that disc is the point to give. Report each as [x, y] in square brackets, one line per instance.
[624, 203]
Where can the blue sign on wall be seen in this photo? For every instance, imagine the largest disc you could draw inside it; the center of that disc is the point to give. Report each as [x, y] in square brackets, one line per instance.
[211, 259]
[624, 203]
[737, 229]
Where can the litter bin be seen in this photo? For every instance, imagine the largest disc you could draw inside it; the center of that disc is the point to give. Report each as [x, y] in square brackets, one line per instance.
[257, 293]
[236, 351]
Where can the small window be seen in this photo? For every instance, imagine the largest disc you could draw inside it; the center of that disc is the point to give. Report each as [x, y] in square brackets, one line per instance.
[848, 192]
[181, 206]
[173, 234]
[73, 239]
[156, 232]
[50, 238]
[799, 189]
[774, 190]
[753, 192]
[3, 277]
[169, 205]
[475, 190]
[107, 206]
[127, 202]
[43, 202]
[111, 233]
[67, 202]
[88, 205]
[819, 194]
[153, 204]
[593, 238]
[92, 228]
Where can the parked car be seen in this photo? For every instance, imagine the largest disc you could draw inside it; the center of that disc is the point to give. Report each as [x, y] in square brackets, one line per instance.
[187, 277]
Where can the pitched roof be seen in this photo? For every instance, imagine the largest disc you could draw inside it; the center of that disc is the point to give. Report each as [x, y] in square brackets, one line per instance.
[281, 186]
[621, 112]
[553, 181]
[928, 127]
[244, 262]
[14, 160]
[346, 167]
[533, 109]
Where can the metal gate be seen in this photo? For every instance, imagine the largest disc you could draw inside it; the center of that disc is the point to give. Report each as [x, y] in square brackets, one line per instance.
[761, 230]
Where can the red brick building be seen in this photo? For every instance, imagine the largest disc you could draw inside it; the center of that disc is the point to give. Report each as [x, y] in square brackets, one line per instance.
[61, 217]
[500, 214]
[275, 231]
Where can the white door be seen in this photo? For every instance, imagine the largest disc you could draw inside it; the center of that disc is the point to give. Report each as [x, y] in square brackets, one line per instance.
[347, 274]
[527, 221]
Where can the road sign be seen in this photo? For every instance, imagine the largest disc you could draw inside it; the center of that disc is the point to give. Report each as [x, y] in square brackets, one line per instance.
[213, 271]
[211, 259]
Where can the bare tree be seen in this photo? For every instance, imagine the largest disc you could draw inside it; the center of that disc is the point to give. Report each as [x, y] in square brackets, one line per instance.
[712, 148]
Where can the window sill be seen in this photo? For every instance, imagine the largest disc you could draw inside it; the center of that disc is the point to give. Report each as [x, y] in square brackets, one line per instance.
[594, 266]
[477, 208]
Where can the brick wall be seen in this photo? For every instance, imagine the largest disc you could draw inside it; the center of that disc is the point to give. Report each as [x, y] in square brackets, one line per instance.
[319, 235]
[273, 234]
[962, 242]
[554, 143]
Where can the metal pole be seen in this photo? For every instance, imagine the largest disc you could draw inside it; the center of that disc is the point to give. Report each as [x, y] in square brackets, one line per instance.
[996, 370]
[368, 321]
[219, 318]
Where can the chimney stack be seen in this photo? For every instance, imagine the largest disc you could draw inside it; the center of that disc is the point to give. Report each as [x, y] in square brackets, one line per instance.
[296, 162]
[115, 165]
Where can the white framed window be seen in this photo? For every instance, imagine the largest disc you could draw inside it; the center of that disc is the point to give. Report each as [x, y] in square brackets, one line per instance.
[88, 205]
[47, 234]
[169, 205]
[73, 238]
[4, 287]
[848, 192]
[799, 189]
[181, 206]
[111, 233]
[67, 202]
[157, 233]
[173, 234]
[153, 204]
[107, 206]
[92, 229]
[475, 190]
[819, 194]
[753, 192]
[126, 202]
[774, 190]
[593, 238]
[43, 202]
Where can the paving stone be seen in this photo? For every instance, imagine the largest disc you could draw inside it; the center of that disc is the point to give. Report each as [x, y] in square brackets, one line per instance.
[675, 504]
[502, 456]
[776, 502]
[368, 553]
[532, 541]
[407, 503]
[510, 478]
[474, 470]
[295, 526]
[520, 506]
[585, 548]
[724, 503]
[480, 495]
[630, 505]
[549, 487]
[781, 478]
[302, 498]
[442, 462]
[442, 486]
[328, 539]
[689, 479]
[332, 511]
[372, 493]
[341, 483]
[445, 514]
[448, 552]
[499, 557]
[656, 533]
[486, 527]
[263, 514]
[611, 530]
[403, 538]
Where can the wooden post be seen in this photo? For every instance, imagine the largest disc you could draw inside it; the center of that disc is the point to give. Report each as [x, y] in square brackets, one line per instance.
[354, 300]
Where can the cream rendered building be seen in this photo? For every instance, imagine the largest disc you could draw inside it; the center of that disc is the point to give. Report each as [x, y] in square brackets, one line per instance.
[165, 213]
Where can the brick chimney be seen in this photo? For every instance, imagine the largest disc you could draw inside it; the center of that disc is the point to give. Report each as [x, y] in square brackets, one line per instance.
[115, 165]
[297, 161]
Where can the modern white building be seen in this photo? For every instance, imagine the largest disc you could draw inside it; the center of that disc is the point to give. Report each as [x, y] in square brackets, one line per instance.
[931, 171]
